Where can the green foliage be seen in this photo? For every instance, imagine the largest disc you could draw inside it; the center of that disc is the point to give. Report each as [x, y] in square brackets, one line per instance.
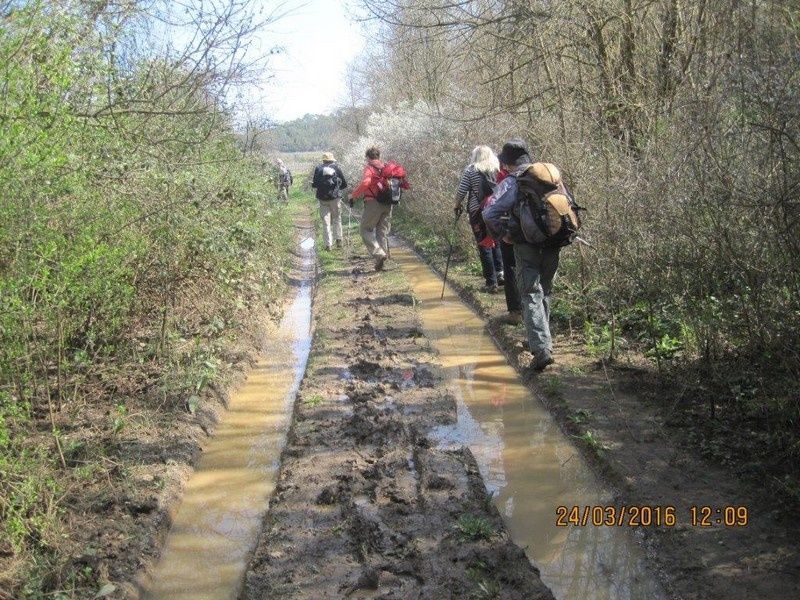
[565, 310]
[486, 586]
[579, 416]
[118, 424]
[591, 440]
[470, 527]
[315, 400]
[552, 385]
[486, 589]
[310, 132]
[135, 238]
[597, 338]
[665, 347]
[29, 514]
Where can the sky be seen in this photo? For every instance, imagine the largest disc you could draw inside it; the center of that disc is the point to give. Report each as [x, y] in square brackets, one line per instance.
[319, 40]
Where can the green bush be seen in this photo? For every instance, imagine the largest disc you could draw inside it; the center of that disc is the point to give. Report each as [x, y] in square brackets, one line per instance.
[135, 238]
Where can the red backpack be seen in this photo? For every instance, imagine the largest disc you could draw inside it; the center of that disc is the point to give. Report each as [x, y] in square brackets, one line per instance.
[390, 183]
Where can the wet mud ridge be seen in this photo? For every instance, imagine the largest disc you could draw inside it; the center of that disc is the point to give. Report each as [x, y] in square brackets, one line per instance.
[365, 505]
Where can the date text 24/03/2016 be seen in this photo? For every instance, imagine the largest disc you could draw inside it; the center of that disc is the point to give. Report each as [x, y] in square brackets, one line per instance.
[651, 516]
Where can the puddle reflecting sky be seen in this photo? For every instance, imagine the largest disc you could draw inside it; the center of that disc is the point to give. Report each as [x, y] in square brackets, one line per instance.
[525, 459]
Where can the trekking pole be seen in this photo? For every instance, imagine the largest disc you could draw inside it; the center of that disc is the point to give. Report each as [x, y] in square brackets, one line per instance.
[449, 254]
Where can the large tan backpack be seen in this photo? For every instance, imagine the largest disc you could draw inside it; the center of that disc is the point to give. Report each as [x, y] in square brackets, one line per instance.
[548, 214]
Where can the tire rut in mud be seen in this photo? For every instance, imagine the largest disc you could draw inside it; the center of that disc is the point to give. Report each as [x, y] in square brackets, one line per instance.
[365, 505]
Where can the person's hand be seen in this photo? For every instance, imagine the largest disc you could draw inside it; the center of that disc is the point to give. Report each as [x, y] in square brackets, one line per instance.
[507, 239]
[458, 209]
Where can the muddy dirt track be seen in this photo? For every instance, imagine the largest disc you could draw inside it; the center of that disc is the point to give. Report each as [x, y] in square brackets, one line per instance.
[369, 503]
[365, 505]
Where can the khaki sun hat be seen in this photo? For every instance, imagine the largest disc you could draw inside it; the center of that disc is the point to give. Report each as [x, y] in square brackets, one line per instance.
[327, 157]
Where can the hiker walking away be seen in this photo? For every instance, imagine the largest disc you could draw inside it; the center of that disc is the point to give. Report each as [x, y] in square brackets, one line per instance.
[536, 252]
[476, 185]
[285, 181]
[329, 182]
[513, 303]
[376, 218]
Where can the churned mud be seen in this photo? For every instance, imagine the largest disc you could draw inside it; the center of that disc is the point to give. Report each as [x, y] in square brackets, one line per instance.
[366, 504]
[648, 463]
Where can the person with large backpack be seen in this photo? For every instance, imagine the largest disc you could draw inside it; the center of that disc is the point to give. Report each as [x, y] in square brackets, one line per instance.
[381, 188]
[476, 185]
[329, 182]
[534, 211]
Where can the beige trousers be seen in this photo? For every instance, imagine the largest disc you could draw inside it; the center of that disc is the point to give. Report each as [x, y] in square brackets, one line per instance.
[330, 211]
[375, 227]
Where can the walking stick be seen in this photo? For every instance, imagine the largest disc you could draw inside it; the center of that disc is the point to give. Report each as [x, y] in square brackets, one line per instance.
[449, 254]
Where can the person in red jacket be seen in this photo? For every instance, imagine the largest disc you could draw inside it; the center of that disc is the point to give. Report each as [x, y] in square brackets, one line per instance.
[376, 218]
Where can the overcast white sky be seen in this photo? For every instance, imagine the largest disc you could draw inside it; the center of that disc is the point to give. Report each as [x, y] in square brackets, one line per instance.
[309, 76]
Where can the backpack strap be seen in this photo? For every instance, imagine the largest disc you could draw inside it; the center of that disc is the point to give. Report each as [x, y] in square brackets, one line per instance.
[487, 186]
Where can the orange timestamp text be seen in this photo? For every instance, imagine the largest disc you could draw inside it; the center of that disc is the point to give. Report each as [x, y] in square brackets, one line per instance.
[650, 516]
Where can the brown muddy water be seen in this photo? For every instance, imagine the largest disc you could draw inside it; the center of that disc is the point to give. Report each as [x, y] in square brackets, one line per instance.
[216, 525]
[528, 464]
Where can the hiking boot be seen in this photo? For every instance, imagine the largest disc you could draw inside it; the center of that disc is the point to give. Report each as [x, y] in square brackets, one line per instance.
[501, 278]
[542, 360]
[379, 263]
[491, 288]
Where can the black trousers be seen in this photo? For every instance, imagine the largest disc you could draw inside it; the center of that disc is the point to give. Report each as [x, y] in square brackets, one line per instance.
[510, 271]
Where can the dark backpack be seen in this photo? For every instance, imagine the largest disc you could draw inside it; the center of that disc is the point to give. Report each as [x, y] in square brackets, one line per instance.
[487, 188]
[330, 183]
[548, 215]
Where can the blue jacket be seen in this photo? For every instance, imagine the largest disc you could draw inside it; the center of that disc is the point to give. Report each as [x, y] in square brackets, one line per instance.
[499, 216]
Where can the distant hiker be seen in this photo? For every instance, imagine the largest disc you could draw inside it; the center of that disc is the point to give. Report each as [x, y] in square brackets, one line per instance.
[535, 250]
[380, 187]
[329, 182]
[476, 185]
[285, 181]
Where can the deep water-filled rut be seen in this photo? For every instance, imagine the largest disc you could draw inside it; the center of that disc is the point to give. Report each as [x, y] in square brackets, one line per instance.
[527, 463]
[217, 523]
